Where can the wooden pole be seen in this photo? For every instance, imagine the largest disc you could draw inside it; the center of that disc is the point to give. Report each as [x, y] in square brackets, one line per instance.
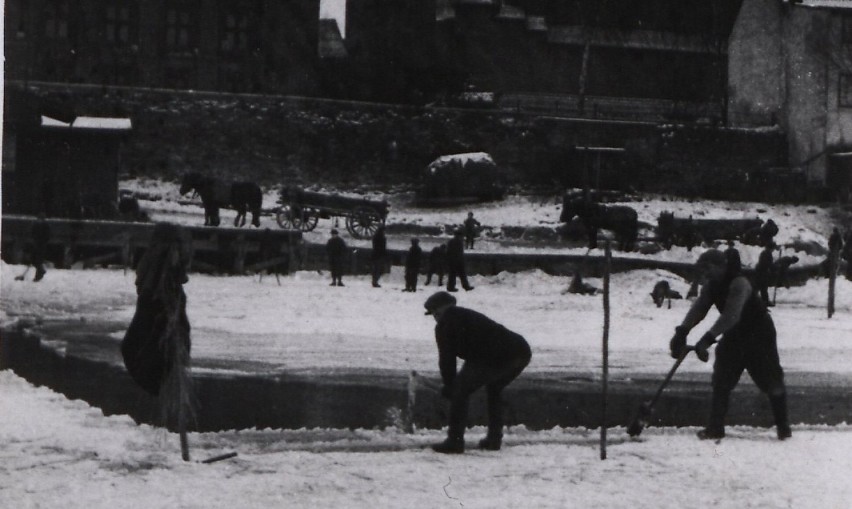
[605, 376]
[832, 277]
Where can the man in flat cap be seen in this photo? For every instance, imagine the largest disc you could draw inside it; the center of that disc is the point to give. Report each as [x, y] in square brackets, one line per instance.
[494, 356]
[748, 340]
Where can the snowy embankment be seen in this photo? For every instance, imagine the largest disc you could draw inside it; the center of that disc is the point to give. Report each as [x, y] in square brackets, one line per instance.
[62, 453]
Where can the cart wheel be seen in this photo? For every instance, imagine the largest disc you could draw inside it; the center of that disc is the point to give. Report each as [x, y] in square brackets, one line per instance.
[303, 219]
[282, 216]
[363, 222]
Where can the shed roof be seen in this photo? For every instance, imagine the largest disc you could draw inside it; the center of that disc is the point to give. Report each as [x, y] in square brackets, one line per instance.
[827, 4]
[80, 123]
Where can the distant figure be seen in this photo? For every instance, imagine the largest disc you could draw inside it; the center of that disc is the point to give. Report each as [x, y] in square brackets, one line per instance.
[493, 357]
[846, 254]
[40, 237]
[455, 263]
[835, 241]
[780, 267]
[662, 292]
[158, 337]
[437, 264]
[471, 230]
[336, 250]
[578, 286]
[378, 255]
[412, 266]
[763, 272]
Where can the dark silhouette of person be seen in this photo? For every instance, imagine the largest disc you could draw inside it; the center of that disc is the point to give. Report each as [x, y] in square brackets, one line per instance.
[493, 357]
[748, 341]
[455, 263]
[437, 264]
[335, 248]
[471, 229]
[763, 272]
[159, 334]
[40, 235]
[412, 266]
[378, 255]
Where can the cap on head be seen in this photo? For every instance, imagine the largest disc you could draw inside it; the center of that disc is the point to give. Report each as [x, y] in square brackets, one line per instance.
[712, 256]
[334, 232]
[459, 231]
[438, 300]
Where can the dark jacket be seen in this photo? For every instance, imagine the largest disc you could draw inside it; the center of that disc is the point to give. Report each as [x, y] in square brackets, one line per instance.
[763, 269]
[438, 258]
[380, 246]
[335, 248]
[470, 226]
[412, 261]
[469, 335]
[455, 252]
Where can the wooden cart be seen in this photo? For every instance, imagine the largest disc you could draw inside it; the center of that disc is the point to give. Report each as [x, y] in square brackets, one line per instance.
[302, 210]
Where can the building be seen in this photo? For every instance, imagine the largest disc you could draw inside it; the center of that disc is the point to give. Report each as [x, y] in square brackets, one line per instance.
[265, 46]
[791, 65]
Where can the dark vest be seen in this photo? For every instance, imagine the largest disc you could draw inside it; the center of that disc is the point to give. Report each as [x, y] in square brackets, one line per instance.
[754, 310]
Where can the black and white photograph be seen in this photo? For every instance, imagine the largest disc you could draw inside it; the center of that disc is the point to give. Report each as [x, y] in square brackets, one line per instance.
[426, 253]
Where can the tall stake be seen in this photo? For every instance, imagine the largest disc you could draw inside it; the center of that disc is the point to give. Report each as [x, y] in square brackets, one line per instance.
[832, 277]
[605, 377]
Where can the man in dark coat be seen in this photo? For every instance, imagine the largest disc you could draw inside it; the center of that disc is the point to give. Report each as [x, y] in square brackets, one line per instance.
[763, 272]
[437, 264]
[378, 255]
[335, 248]
[471, 227]
[412, 266]
[40, 236]
[455, 263]
[748, 341]
[494, 356]
[158, 337]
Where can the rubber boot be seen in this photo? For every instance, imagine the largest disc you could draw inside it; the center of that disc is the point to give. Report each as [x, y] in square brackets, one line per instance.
[452, 445]
[779, 411]
[715, 429]
[491, 442]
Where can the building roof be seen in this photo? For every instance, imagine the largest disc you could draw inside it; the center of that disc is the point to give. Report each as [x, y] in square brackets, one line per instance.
[826, 4]
[79, 123]
[330, 41]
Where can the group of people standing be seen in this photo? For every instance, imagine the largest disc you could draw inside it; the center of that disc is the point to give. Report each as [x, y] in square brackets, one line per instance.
[443, 259]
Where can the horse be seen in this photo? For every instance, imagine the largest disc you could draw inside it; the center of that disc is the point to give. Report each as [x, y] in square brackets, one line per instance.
[215, 193]
[620, 219]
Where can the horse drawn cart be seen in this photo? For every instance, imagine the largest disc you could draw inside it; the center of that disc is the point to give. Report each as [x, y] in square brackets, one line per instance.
[302, 210]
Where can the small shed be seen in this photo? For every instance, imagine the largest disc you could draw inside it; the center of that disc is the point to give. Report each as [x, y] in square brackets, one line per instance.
[64, 168]
[462, 178]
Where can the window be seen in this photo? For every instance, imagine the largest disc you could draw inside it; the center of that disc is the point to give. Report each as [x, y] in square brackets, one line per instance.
[180, 27]
[56, 15]
[845, 91]
[235, 32]
[846, 30]
[119, 22]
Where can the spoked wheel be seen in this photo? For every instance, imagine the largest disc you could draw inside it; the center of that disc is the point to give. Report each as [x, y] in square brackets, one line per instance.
[363, 222]
[282, 216]
[303, 219]
[297, 218]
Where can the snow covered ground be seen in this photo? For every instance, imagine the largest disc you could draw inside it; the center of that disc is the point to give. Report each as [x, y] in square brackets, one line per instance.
[61, 453]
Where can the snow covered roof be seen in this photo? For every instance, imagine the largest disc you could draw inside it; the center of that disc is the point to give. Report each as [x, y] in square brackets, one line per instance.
[826, 4]
[109, 123]
[463, 159]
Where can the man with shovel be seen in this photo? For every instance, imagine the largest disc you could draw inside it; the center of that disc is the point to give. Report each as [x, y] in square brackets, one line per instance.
[494, 356]
[747, 342]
